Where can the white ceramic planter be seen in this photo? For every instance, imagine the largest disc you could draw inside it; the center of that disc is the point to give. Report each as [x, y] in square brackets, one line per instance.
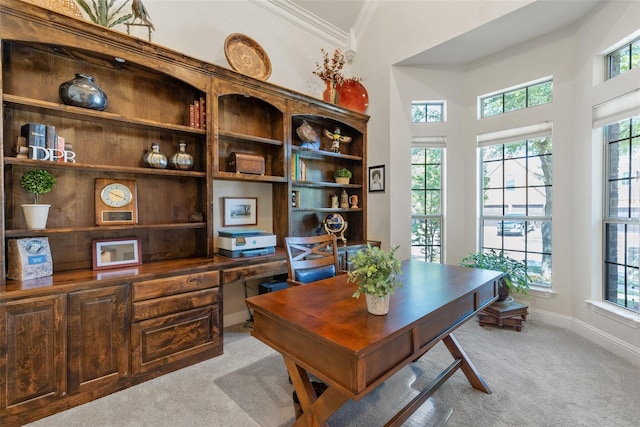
[36, 216]
[377, 305]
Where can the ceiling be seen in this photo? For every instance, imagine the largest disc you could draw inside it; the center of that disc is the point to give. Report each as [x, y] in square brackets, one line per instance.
[529, 22]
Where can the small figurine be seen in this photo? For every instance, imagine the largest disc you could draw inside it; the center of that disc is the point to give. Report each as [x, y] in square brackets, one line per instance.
[337, 139]
[140, 12]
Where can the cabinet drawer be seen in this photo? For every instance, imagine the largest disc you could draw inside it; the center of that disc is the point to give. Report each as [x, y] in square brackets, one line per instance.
[174, 285]
[256, 271]
[174, 303]
[171, 339]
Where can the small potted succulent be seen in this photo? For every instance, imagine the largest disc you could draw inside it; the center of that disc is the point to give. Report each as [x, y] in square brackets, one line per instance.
[342, 176]
[375, 273]
[36, 182]
[516, 278]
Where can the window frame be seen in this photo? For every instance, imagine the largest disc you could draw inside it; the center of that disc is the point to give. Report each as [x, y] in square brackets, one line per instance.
[428, 217]
[610, 220]
[427, 104]
[527, 217]
[503, 92]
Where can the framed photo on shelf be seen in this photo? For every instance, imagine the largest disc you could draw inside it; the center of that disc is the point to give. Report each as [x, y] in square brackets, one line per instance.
[376, 178]
[240, 211]
[116, 253]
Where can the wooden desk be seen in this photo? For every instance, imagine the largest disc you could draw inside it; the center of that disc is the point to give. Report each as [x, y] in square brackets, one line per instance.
[320, 329]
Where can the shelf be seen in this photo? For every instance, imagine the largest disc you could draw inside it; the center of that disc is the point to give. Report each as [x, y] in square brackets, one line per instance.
[326, 210]
[239, 137]
[316, 184]
[48, 231]
[237, 176]
[78, 113]
[319, 154]
[101, 168]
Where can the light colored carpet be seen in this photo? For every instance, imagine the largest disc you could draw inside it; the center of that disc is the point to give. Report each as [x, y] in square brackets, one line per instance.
[264, 391]
[542, 376]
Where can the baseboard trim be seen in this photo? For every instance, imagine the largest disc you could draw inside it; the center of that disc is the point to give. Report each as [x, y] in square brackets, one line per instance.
[235, 318]
[587, 331]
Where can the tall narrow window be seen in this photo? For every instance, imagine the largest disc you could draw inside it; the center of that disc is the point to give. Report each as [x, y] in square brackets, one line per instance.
[516, 184]
[622, 213]
[426, 204]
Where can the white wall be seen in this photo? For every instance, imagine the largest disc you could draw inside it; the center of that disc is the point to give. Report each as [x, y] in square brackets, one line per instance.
[573, 56]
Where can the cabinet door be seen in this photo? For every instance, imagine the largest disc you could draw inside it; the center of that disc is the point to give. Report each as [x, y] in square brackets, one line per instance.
[32, 352]
[98, 339]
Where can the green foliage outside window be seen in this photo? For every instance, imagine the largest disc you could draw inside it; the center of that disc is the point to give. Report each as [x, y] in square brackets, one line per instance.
[518, 99]
[426, 204]
[624, 59]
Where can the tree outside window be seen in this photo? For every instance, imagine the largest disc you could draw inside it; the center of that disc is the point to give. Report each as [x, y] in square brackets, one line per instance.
[426, 204]
[622, 214]
[517, 203]
[517, 99]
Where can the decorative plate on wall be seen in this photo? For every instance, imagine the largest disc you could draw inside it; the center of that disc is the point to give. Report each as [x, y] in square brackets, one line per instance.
[246, 56]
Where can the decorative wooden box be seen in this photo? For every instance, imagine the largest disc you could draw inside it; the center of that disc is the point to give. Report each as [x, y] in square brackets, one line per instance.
[246, 163]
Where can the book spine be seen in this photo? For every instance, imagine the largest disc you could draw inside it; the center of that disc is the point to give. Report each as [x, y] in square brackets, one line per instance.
[50, 139]
[35, 134]
[60, 148]
[196, 111]
[203, 113]
[192, 116]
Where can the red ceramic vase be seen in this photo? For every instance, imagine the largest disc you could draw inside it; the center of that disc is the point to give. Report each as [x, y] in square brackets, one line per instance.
[352, 95]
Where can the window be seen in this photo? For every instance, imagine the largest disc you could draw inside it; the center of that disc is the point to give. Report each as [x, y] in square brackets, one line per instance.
[517, 99]
[426, 204]
[624, 59]
[427, 112]
[622, 212]
[516, 182]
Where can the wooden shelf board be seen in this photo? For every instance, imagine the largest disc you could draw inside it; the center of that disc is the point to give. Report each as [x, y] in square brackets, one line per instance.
[99, 116]
[326, 210]
[236, 176]
[306, 153]
[239, 137]
[102, 168]
[26, 232]
[298, 183]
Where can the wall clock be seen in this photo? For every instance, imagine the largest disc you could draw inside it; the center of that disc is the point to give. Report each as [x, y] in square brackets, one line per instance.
[116, 201]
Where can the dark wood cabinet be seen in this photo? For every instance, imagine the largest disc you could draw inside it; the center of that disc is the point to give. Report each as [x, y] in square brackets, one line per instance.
[98, 338]
[80, 334]
[33, 356]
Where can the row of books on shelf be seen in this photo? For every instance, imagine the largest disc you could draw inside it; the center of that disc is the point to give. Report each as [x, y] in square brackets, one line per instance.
[197, 114]
[38, 141]
[298, 168]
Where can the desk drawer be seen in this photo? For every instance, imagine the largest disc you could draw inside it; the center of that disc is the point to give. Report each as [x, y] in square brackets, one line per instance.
[256, 271]
[174, 303]
[174, 285]
[175, 339]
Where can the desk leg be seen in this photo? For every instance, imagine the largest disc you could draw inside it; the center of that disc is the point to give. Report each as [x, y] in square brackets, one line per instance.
[315, 410]
[467, 367]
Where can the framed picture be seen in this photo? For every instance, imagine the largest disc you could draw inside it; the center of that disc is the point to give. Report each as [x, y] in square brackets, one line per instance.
[240, 211]
[376, 178]
[116, 253]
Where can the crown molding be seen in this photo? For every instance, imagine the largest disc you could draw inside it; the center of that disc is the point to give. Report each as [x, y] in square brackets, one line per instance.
[299, 16]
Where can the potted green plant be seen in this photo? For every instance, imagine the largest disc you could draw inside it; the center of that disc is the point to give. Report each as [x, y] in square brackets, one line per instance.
[36, 182]
[375, 273]
[516, 278]
[342, 176]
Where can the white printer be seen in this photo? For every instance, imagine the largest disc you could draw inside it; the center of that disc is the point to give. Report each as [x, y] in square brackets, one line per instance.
[245, 243]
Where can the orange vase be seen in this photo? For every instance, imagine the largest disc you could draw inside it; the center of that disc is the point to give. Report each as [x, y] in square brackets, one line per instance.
[330, 94]
[352, 95]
